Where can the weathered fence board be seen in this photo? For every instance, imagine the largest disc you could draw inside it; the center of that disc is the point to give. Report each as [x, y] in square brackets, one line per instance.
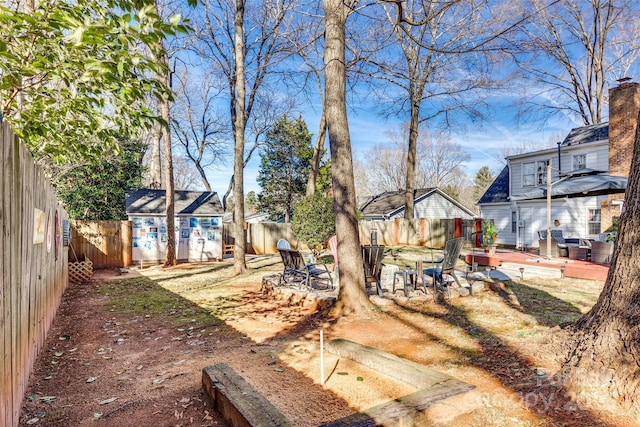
[105, 243]
[108, 243]
[33, 277]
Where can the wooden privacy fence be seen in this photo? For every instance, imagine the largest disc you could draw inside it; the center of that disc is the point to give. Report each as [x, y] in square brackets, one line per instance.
[106, 243]
[33, 268]
[429, 232]
[261, 238]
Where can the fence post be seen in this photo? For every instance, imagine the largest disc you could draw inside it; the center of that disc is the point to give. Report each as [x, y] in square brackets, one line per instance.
[478, 232]
[126, 243]
[457, 228]
[396, 231]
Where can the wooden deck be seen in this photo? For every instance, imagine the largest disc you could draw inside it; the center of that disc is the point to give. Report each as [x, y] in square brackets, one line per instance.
[578, 269]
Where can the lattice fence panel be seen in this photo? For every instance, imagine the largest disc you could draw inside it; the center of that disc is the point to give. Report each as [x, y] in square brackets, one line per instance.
[80, 272]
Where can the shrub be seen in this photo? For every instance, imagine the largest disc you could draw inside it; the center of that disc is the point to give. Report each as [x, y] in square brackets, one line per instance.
[314, 221]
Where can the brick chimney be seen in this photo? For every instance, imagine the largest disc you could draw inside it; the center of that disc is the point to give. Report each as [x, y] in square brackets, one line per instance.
[624, 104]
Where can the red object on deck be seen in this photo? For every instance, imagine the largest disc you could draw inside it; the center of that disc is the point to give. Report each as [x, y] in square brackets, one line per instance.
[482, 259]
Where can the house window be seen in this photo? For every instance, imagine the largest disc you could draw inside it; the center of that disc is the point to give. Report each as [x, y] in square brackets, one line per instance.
[514, 221]
[593, 223]
[534, 173]
[579, 161]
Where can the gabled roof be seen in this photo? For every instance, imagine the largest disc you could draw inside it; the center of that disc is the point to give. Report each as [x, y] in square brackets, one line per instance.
[584, 134]
[498, 191]
[392, 202]
[152, 202]
[389, 202]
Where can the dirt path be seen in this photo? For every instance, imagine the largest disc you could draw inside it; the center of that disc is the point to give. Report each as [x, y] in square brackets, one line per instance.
[131, 352]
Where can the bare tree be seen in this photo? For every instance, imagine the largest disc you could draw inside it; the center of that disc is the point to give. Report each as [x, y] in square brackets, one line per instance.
[390, 171]
[307, 48]
[244, 43]
[571, 49]
[352, 297]
[440, 162]
[430, 62]
[200, 129]
[184, 175]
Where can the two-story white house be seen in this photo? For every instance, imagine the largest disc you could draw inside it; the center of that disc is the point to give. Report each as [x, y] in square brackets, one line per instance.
[603, 148]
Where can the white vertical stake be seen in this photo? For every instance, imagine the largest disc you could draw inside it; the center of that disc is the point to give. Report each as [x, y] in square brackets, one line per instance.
[321, 357]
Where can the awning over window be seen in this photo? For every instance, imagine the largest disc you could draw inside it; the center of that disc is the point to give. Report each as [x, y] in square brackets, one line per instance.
[576, 186]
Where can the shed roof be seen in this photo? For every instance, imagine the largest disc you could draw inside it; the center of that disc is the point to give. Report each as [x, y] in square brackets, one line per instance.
[153, 202]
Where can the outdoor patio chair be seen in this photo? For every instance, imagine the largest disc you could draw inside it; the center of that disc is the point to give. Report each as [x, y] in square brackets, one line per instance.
[333, 249]
[372, 265]
[445, 266]
[284, 244]
[296, 269]
[601, 252]
[287, 263]
[563, 249]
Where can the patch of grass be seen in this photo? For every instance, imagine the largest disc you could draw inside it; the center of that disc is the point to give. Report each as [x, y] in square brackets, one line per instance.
[144, 297]
[545, 307]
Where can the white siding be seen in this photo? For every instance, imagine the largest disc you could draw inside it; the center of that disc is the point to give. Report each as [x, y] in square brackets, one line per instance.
[571, 213]
[597, 158]
[436, 206]
[501, 216]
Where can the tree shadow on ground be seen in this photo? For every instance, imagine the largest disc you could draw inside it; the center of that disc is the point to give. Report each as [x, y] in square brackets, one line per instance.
[167, 339]
[546, 308]
[536, 392]
[197, 269]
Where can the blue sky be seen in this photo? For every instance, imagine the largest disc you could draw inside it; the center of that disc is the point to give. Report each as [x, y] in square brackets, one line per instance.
[483, 141]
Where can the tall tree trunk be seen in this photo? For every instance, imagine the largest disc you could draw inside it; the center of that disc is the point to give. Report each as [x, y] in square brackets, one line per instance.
[352, 297]
[410, 181]
[239, 264]
[170, 256]
[603, 363]
[317, 155]
[155, 171]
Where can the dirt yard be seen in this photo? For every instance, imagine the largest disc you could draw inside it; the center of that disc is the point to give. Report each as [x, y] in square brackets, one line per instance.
[128, 350]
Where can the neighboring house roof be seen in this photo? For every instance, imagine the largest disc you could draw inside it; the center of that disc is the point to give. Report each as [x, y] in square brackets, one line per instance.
[252, 218]
[152, 202]
[391, 203]
[498, 191]
[585, 134]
